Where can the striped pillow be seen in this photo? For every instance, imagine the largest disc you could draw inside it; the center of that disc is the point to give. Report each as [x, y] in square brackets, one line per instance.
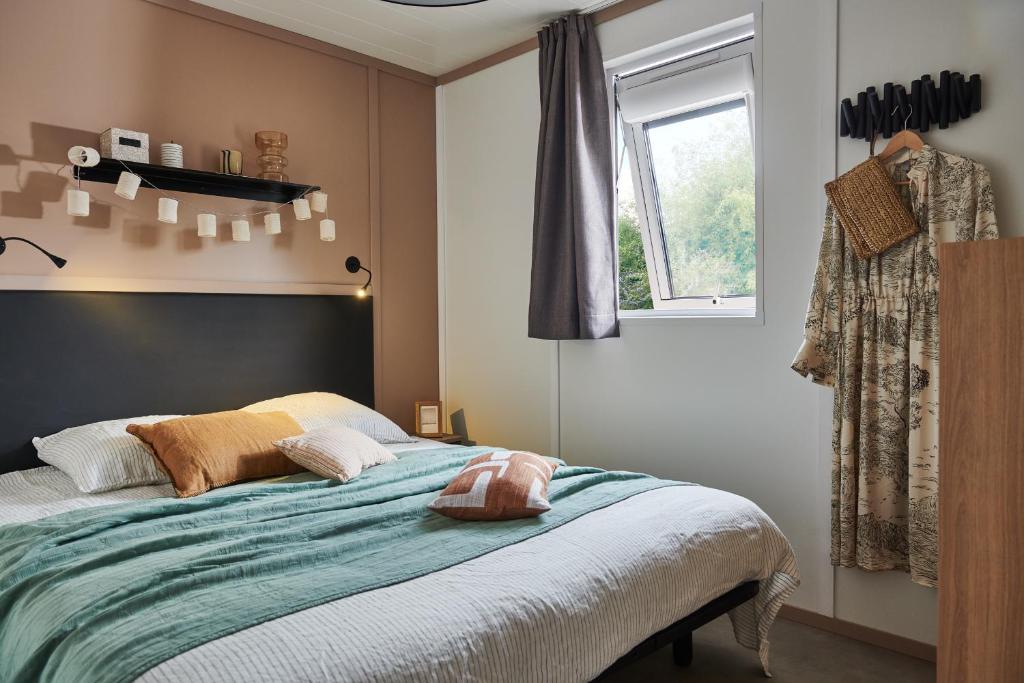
[337, 453]
[317, 409]
[501, 485]
[101, 456]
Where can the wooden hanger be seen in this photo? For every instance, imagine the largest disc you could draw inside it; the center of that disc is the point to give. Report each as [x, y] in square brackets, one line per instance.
[905, 139]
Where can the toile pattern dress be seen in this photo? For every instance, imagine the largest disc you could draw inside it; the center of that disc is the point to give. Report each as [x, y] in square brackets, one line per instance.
[872, 333]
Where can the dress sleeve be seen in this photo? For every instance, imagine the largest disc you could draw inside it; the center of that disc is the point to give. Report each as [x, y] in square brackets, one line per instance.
[976, 217]
[820, 348]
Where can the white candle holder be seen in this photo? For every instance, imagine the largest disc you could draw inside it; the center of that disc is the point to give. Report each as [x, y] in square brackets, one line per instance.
[301, 207]
[318, 201]
[127, 185]
[78, 203]
[272, 223]
[167, 210]
[207, 224]
[327, 232]
[240, 231]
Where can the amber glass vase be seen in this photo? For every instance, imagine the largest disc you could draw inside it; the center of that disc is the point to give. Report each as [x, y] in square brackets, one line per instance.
[271, 145]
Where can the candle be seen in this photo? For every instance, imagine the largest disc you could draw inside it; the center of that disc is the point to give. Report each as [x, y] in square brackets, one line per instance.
[127, 185]
[318, 200]
[327, 230]
[207, 225]
[301, 207]
[272, 223]
[167, 210]
[240, 231]
[78, 203]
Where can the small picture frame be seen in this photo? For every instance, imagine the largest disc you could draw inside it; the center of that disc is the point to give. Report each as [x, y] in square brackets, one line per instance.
[429, 418]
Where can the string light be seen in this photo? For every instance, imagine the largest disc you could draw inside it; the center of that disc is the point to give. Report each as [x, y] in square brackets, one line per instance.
[272, 224]
[128, 184]
[167, 210]
[207, 224]
[327, 232]
[240, 230]
[301, 207]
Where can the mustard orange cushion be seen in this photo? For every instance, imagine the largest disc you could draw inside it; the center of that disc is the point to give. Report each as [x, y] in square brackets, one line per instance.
[500, 485]
[203, 452]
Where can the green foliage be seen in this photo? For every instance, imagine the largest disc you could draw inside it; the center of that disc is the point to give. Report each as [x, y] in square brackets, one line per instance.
[634, 287]
[708, 213]
[706, 192]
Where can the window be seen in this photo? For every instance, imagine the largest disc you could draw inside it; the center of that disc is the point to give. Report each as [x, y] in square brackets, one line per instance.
[687, 214]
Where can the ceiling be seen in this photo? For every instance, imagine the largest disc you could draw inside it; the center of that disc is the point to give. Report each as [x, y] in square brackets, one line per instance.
[433, 40]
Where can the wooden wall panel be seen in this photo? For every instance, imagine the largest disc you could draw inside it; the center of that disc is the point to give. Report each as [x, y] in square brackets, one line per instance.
[981, 480]
[209, 80]
[408, 247]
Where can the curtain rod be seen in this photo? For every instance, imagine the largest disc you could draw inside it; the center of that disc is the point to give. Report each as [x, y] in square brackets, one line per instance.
[602, 11]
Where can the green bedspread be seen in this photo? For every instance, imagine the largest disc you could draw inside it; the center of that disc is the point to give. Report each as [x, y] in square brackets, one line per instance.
[104, 594]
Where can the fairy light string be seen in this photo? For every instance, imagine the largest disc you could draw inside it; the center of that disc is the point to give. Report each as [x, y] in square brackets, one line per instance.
[327, 233]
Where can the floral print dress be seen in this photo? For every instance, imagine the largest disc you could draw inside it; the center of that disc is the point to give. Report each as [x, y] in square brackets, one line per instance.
[872, 333]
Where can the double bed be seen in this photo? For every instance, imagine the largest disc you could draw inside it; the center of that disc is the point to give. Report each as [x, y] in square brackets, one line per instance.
[565, 602]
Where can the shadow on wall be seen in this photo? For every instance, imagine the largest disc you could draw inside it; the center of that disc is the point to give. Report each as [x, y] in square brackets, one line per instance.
[50, 146]
[458, 420]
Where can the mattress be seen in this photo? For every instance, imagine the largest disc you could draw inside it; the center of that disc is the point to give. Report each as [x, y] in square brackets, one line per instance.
[561, 606]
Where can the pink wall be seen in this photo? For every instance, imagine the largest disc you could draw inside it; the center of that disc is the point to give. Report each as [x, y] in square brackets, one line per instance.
[209, 81]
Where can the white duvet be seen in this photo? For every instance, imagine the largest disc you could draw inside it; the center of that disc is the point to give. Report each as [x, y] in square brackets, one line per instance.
[561, 606]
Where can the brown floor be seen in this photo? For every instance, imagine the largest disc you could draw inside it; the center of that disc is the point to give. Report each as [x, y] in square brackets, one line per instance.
[799, 654]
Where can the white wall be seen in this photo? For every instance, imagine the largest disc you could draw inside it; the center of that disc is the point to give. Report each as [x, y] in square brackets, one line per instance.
[880, 41]
[487, 156]
[709, 402]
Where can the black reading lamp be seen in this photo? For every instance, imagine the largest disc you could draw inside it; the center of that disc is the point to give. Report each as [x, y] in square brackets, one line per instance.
[57, 260]
[353, 265]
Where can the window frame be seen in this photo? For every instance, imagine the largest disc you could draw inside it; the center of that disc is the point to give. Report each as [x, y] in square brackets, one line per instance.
[733, 44]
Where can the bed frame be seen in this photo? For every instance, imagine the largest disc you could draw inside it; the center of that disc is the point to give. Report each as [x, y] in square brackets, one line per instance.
[71, 358]
[680, 634]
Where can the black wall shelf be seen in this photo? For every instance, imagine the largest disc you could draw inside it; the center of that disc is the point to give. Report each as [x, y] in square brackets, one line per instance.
[197, 182]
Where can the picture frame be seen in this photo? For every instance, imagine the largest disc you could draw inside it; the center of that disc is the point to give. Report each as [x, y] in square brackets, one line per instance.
[429, 418]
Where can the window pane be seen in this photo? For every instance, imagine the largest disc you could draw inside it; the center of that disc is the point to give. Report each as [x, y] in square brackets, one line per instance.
[703, 165]
[634, 287]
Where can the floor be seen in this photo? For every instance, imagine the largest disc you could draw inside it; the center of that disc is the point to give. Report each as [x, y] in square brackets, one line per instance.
[799, 654]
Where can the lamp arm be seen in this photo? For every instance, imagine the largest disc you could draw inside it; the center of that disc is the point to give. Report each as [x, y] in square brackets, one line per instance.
[57, 260]
[369, 277]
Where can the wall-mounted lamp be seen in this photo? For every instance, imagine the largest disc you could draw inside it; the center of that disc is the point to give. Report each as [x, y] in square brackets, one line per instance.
[353, 265]
[57, 260]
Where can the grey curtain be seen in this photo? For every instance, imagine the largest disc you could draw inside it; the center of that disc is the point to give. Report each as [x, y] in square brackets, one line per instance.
[573, 288]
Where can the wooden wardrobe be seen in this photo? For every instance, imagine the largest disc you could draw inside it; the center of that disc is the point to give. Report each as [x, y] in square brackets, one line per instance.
[981, 473]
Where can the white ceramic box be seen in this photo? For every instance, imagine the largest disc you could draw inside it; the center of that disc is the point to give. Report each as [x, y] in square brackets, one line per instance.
[126, 145]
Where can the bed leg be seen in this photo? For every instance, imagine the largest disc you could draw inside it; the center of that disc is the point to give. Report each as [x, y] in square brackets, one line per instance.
[682, 650]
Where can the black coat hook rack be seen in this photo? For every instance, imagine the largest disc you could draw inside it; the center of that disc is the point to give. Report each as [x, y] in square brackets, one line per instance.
[955, 97]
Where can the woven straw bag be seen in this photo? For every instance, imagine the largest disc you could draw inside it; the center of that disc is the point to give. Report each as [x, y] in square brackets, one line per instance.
[869, 209]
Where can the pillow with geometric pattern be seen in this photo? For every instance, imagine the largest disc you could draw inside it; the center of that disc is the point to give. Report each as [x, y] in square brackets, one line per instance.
[499, 485]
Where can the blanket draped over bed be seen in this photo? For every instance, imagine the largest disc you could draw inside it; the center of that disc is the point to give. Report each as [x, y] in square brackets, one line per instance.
[107, 593]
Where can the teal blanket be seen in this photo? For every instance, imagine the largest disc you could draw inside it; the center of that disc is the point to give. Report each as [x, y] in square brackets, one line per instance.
[105, 594]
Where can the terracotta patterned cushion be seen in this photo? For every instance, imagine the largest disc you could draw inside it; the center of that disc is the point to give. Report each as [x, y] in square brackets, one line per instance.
[501, 485]
[203, 452]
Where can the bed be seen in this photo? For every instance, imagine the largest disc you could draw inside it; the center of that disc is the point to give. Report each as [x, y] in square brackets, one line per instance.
[565, 604]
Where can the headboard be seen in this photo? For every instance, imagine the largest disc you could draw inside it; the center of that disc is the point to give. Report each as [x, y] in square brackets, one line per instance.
[71, 358]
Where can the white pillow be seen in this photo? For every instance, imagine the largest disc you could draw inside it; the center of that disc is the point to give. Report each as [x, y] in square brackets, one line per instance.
[335, 452]
[318, 409]
[102, 456]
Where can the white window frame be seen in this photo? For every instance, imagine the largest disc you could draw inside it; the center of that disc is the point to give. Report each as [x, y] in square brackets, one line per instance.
[734, 43]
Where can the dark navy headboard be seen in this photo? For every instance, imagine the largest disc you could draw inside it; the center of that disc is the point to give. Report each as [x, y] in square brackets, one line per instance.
[71, 358]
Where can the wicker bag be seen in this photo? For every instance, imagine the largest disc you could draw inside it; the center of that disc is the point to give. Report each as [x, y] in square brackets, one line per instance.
[869, 209]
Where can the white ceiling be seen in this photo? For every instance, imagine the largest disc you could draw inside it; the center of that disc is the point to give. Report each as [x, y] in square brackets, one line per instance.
[433, 40]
